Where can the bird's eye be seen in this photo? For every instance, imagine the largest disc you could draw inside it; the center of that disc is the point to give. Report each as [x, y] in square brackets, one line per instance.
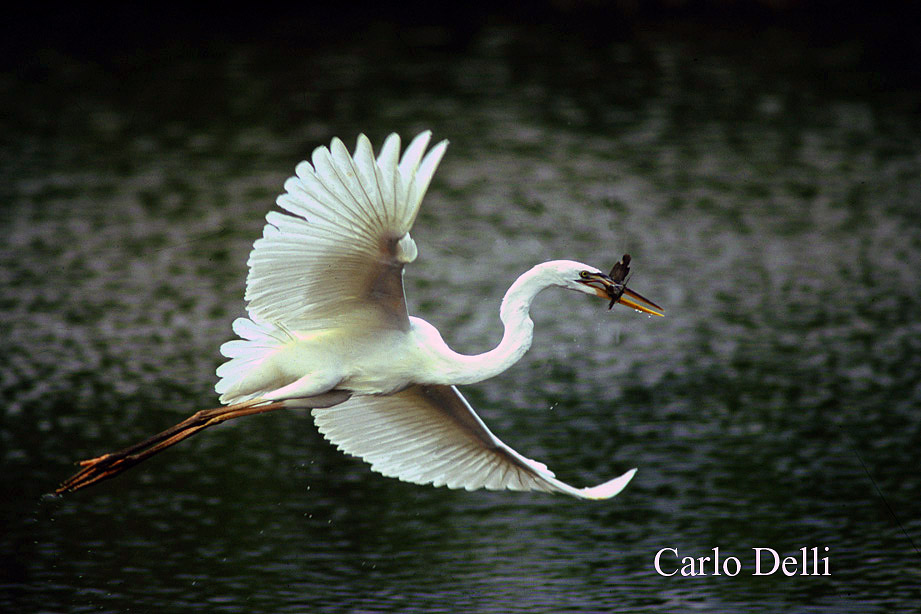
[584, 274]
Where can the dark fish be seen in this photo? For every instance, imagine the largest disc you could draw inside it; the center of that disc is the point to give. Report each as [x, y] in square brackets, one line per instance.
[619, 273]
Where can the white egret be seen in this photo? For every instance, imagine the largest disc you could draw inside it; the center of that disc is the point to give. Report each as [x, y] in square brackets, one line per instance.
[328, 330]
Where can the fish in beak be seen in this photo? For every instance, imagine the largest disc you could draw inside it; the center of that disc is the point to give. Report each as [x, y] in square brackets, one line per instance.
[614, 287]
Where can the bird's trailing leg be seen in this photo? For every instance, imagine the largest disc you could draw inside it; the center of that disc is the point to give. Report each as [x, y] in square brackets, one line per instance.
[109, 465]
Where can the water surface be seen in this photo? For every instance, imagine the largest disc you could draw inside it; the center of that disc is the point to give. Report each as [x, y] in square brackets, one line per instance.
[772, 212]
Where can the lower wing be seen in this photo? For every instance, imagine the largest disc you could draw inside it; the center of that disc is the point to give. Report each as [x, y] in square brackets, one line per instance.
[429, 434]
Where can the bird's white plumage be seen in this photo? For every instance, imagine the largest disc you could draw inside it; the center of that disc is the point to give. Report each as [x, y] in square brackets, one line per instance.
[431, 435]
[328, 322]
[256, 341]
[351, 217]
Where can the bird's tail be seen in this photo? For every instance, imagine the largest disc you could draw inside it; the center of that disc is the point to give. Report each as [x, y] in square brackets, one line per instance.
[257, 342]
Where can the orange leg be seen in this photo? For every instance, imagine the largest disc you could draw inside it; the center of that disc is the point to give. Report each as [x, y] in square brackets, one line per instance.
[109, 465]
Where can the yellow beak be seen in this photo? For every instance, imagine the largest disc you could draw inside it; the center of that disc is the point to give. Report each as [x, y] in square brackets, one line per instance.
[607, 288]
[640, 303]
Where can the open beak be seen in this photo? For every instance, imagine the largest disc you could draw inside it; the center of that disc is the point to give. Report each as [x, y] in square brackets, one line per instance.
[617, 292]
[637, 301]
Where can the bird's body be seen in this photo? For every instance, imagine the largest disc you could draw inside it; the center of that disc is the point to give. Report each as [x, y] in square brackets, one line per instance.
[328, 330]
[375, 359]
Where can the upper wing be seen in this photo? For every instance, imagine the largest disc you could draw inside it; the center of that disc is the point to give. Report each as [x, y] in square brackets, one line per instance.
[429, 434]
[342, 253]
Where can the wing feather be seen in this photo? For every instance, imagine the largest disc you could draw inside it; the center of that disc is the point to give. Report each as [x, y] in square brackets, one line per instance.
[342, 239]
[365, 169]
[387, 172]
[360, 194]
[423, 176]
[429, 434]
[409, 164]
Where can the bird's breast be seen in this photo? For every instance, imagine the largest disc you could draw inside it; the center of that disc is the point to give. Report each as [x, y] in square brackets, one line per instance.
[383, 363]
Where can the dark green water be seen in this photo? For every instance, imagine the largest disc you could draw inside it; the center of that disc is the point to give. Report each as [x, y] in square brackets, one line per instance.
[768, 192]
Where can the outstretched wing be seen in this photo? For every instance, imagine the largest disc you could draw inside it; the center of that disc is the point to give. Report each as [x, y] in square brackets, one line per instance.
[429, 434]
[341, 254]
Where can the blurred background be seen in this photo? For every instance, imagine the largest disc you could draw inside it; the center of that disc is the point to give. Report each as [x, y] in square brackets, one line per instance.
[761, 161]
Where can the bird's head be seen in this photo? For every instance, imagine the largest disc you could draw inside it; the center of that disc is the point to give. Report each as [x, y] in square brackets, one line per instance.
[612, 287]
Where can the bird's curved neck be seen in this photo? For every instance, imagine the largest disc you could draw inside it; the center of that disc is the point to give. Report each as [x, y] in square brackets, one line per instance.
[518, 334]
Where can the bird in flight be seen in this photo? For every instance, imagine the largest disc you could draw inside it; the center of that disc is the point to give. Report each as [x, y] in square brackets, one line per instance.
[328, 331]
